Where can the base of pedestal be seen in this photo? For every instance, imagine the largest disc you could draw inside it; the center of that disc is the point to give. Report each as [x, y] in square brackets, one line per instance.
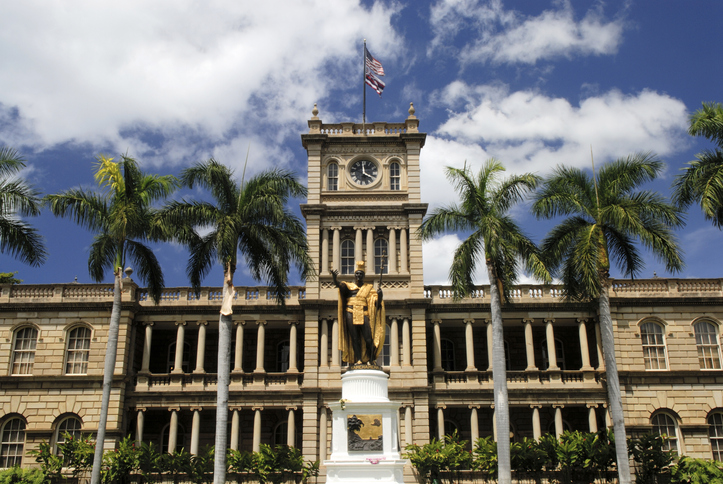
[364, 472]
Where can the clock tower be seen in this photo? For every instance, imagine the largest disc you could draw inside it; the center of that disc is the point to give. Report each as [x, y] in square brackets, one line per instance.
[364, 204]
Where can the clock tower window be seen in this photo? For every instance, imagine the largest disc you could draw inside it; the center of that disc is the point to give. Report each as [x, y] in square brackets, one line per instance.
[395, 177]
[347, 257]
[332, 177]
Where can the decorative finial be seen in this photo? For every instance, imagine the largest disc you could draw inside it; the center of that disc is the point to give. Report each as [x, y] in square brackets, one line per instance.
[411, 109]
[128, 272]
[315, 111]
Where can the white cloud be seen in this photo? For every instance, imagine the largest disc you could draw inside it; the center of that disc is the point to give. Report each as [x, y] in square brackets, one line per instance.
[504, 36]
[529, 131]
[188, 72]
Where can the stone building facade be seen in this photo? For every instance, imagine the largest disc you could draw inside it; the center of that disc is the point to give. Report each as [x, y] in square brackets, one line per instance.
[364, 204]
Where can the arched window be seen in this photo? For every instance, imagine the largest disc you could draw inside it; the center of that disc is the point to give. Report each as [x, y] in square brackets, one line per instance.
[332, 177]
[381, 255]
[78, 350]
[715, 420]
[281, 433]
[706, 338]
[185, 360]
[180, 437]
[347, 257]
[450, 427]
[447, 355]
[559, 354]
[665, 424]
[653, 340]
[70, 426]
[26, 340]
[395, 178]
[12, 443]
[282, 356]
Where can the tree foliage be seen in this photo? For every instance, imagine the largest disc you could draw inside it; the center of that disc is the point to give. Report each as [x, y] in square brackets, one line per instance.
[18, 199]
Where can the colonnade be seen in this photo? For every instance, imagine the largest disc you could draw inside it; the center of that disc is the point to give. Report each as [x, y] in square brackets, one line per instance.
[536, 427]
[235, 427]
[397, 248]
[201, 346]
[529, 345]
[394, 358]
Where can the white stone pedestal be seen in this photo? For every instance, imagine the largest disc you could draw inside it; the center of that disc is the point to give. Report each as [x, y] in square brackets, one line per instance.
[364, 394]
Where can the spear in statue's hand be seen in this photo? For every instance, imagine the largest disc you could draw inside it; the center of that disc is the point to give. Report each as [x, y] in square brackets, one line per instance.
[384, 265]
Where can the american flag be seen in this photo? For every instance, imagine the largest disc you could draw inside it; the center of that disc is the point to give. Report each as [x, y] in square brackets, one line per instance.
[372, 70]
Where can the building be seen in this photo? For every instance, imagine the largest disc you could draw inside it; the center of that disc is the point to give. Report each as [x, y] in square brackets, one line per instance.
[364, 201]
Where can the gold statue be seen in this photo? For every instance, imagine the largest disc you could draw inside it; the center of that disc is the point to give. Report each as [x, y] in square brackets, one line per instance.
[362, 320]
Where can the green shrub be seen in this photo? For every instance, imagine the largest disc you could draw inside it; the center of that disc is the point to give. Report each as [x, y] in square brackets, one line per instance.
[16, 475]
[651, 459]
[696, 471]
[440, 458]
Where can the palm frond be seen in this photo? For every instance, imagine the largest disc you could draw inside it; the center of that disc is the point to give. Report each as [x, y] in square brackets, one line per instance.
[147, 267]
[104, 252]
[22, 241]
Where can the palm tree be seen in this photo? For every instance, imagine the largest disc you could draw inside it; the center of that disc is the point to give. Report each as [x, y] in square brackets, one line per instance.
[499, 241]
[122, 216]
[702, 180]
[18, 238]
[251, 219]
[608, 215]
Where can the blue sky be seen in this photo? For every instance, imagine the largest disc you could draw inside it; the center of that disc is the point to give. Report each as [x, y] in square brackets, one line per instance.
[532, 83]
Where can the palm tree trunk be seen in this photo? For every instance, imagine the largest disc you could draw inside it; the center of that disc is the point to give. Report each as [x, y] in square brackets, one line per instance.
[108, 370]
[224, 376]
[613, 382]
[499, 376]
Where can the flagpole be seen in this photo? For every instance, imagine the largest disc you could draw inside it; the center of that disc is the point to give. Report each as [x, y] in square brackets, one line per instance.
[364, 88]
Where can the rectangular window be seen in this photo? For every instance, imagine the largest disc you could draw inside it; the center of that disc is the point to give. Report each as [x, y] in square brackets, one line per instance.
[347, 257]
[394, 177]
[24, 353]
[332, 177]
[706, 339]
[653, 347]
[76, 362]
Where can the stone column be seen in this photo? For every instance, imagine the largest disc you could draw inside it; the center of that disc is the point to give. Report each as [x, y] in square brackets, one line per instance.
[558, 420]
[324, 252]
[180, 335]
[324, 344]
[440, 422]
[529, 345]
[598, 344]
[335, 343]
[322, 434]
[394, 343]
[592, 418]
[260, 346]
[582, 330]
[291, 428]
[408, 431]
[292, 346]
[358, 248]
[140, 423]
[406, 343]
[256, 445]
[173, 430]
[404, 268]
[437, 345]
[469, 344]
[551, 352]
[201, 347]
[392, 255]
[490, 356]
[370, 251]
[146, 362]
[336, 249]
[536, 428]
[195, 430]
[238, 357]
[235, 426]
[474, 424]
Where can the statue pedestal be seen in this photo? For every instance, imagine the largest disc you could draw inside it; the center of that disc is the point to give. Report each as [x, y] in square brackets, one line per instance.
[365, 437]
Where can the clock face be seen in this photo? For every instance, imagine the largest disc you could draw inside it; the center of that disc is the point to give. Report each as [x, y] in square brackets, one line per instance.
[364, 172]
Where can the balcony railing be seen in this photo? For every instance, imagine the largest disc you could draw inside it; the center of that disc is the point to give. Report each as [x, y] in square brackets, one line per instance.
[574, 377]
[193, 381]
[256, 295]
